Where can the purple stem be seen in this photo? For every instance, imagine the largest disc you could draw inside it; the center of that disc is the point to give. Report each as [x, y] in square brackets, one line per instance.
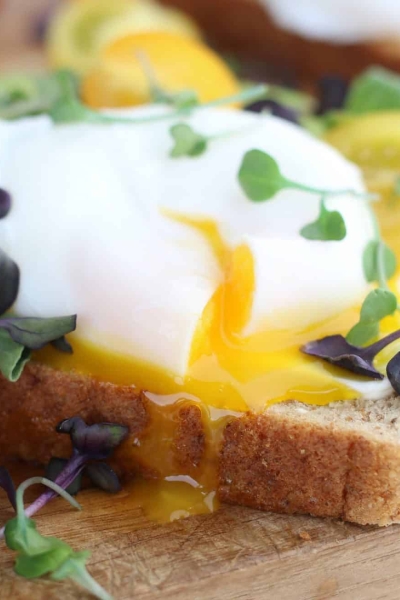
[371, 351]
[71, 470]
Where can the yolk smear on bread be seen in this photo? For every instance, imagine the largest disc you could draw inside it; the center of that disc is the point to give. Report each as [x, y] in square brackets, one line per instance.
[227, 375]
[227, 370]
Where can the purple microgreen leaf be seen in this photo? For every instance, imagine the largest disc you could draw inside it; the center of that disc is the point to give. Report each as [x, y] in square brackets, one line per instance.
[8, 486]
[393, 372]
[5, 203]
[337, 351]
[103, 477]
[94, 441]
[36, 332]
[9, 282]
[54, 469]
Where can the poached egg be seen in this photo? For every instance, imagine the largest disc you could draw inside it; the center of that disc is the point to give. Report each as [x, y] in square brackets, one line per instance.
[178, 279]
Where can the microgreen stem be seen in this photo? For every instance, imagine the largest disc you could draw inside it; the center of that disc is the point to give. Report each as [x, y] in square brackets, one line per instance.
[380, 253]
[69, 473]
[23, 108]
[312, 190]
[246, 96]
[83, 577]
[90, 116]
[230, 133]
[371, 351]
[145, 64]
[19, 498]
[50, 484]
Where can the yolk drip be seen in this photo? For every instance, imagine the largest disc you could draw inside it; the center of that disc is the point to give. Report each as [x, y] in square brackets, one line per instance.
[227, 375]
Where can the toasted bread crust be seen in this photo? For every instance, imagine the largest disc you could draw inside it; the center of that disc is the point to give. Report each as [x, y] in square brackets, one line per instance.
[271, 461]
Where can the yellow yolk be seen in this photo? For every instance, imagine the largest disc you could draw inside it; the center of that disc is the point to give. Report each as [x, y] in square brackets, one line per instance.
[227, 375]
[226, 370]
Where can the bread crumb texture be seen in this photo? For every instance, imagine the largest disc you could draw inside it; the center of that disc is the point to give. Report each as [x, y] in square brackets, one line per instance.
[341, 460]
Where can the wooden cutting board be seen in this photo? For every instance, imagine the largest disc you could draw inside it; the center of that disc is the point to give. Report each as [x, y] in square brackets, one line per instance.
[233, 554]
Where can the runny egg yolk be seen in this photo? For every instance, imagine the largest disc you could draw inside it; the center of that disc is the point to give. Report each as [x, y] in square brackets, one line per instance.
[226, 370]
[227, 375]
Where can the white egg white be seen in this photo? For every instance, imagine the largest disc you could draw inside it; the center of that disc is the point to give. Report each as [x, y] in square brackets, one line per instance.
[87, 231]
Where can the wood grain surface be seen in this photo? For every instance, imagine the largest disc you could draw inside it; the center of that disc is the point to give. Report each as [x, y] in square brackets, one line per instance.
[234, 554]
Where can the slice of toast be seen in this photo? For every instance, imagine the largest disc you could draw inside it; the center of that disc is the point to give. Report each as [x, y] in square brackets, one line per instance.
[341, 460]
[243, 27]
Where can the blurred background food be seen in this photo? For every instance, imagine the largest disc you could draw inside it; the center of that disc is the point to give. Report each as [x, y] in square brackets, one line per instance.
[303, 39]
[215, 47]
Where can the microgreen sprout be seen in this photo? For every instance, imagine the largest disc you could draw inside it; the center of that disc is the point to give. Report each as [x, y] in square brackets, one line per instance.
[379, 263]
[261, 179]
[69, 108]
[187, 142]
[20, 335]
[336, 350]
[89, 443]
[329, 226]
[183, 99]
[190, 143]
[39, 555]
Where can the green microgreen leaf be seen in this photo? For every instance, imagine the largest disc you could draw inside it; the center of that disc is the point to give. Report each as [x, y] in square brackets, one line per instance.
[39, 555]
[300, 101]
[25, 95]
[20, 335]
[43, 563]
[13, 357]
[371, 265]
[74, 567]
[187, 141]
[21, 536]
[182, 99]
[377, 305]
[362, 333]
[375, 89]
[329, 226]
[69, 109]
[260, 177]
[20, 533]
